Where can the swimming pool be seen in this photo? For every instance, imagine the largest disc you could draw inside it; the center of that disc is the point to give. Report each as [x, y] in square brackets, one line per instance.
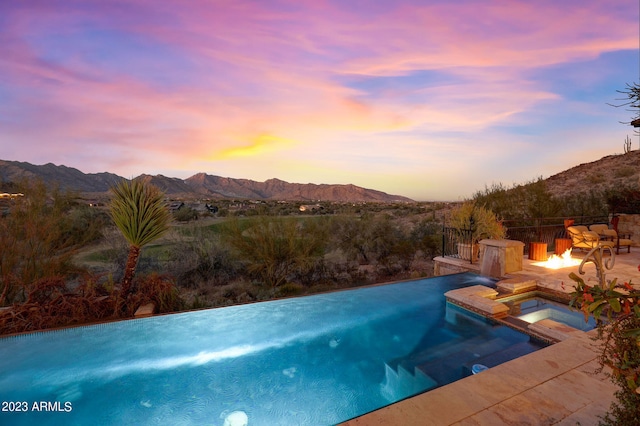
[314, 360]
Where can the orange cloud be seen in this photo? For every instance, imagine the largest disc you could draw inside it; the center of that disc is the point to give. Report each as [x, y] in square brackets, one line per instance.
[259, 145]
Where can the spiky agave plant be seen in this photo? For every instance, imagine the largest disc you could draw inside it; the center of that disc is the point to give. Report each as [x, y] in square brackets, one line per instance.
[139, 212]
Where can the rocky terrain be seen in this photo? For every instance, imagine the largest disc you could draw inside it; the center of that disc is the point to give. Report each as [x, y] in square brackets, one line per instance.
[613, 171]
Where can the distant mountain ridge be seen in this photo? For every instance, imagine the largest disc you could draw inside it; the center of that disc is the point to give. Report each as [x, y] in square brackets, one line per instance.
[200, 185]
[67, 177]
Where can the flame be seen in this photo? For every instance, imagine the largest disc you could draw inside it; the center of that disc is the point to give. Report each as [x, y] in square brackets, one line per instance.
[563, 261]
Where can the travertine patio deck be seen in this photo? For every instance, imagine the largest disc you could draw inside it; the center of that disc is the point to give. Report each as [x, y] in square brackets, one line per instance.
[553, 386]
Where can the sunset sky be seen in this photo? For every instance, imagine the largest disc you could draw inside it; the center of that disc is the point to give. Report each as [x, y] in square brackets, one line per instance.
[432, 100]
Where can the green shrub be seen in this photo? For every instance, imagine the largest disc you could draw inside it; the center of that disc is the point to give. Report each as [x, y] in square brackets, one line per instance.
[274, 248]
[185, 214]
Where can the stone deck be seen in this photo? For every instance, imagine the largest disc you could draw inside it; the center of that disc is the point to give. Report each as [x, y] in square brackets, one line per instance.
[553, 386]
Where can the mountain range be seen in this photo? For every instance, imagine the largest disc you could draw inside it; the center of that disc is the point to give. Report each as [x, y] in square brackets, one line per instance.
[612, 171]
[201, 185]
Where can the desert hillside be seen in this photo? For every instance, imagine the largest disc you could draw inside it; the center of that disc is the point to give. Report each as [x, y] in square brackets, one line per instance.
[612, 171]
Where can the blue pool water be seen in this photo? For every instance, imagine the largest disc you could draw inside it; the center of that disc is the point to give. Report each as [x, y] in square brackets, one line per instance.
[312, 360]
[533, 309]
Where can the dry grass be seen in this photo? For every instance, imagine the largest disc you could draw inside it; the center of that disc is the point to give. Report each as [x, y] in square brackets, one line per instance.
[611, 172]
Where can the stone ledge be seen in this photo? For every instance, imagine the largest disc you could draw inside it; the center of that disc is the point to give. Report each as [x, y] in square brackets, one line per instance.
[479, 299]
[553, 329]
[449, 265]
[145, 310]
[478, 290]
[518, 285]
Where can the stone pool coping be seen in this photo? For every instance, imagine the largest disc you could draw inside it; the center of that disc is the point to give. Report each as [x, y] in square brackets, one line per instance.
[555, 385]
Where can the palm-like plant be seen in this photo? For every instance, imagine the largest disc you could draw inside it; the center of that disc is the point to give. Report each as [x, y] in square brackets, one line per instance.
[138, 210]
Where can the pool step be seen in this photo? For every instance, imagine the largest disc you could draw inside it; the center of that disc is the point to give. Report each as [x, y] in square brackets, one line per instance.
[497, 358]
[401, 384]
[459, 347]
[457, 362]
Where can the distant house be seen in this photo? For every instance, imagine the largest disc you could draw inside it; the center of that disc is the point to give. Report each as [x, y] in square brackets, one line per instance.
[175, 206]
[11, 196]
[310, 207]
[211, 209]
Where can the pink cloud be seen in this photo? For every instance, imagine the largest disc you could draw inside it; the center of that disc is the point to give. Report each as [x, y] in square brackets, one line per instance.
[239, 70]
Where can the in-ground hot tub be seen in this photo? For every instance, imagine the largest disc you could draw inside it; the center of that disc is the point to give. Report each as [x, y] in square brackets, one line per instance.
[535, 306]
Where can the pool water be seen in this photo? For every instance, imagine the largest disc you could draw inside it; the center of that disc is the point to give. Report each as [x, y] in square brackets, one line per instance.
[313, 360]
[535, 308]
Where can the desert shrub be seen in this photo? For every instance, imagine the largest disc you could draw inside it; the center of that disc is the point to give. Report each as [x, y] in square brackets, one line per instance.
[201, 258]
[529, 200]
[236, 292]
[290, 289]
[115, 251]
[592, 203]
[311, 272]
[626, 171]
[185, 214]
[350, 236]
[624, 200]
[382, 236]
[38, 236]
[83, 225]
[596, 178]
[426, 236]
[533, 200]
[50, 303]
[159, 289]
[342, 271]
[197, 303]
[390, 244]
[273, 247]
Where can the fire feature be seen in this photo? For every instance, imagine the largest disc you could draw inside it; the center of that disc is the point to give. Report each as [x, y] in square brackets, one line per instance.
[557, 262]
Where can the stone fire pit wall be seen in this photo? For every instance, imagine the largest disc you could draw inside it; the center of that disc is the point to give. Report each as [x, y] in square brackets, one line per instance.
[500, 257]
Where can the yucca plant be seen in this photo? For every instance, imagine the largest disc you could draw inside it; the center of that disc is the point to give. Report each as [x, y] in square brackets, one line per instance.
[139, 212]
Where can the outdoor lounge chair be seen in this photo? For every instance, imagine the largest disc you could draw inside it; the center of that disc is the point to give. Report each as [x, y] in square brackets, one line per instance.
[605, 232]
[582, 238]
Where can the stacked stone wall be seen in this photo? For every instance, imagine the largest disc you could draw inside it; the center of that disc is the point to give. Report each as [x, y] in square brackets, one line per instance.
[630, 224]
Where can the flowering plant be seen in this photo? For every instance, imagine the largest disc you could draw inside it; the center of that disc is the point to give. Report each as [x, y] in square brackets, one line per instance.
[620, 335]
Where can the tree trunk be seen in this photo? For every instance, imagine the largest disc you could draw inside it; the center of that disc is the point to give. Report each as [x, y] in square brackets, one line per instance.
[130, 269]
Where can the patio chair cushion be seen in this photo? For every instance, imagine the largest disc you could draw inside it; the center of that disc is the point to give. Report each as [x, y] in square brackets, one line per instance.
[618, 242]
[600, 228]
[582, 238]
